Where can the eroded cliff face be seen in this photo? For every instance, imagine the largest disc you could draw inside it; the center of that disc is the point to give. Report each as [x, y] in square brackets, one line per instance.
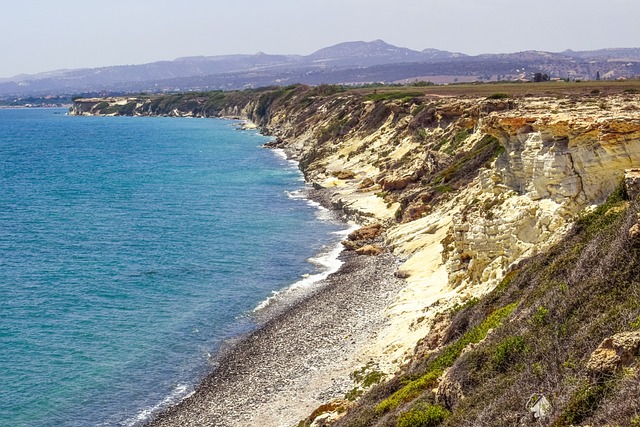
[460, 190]
[402, 161]
[464, 187]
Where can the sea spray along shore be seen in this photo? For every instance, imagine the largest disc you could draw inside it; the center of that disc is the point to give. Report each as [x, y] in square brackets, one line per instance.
[125, 248]
[467, 190]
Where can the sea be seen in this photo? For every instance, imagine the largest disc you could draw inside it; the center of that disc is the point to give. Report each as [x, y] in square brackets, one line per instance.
[131, 250]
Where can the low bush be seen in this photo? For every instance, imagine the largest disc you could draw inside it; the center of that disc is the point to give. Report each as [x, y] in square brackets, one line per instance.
[423, 416]
[508, 352]
[498, 96]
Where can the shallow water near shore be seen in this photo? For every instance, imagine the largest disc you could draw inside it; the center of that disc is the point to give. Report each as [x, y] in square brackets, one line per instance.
[130, 248]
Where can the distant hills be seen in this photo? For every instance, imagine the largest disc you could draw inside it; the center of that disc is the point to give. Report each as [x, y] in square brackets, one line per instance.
[345, 63]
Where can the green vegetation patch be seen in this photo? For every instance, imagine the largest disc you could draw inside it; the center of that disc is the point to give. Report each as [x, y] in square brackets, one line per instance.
[582, 404]
[393, 95]
[424, 416]
[507, 353]
[498, 95]
[443, 360]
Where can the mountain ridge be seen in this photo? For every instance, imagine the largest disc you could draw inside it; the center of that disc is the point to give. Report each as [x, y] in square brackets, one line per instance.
[356, 62]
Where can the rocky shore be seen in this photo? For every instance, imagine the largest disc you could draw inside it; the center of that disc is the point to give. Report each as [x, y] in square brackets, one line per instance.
[308, 344]
[299, 359]
[465, 190]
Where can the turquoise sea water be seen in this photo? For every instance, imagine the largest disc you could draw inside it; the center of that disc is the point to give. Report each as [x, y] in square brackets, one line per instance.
[129, 249]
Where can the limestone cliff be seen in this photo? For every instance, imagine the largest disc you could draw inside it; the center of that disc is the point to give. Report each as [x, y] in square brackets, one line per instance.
[462, 190]
[465, 186]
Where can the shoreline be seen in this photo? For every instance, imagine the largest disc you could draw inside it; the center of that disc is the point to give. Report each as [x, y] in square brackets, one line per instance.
[298, 359]
[464, 191]
[307, 341]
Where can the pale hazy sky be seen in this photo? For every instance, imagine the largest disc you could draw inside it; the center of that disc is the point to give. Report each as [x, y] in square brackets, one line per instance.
[43, 35]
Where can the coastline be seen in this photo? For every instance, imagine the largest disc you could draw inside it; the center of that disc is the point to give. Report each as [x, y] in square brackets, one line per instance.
[463, 190]
[309, 338]
[298, 359]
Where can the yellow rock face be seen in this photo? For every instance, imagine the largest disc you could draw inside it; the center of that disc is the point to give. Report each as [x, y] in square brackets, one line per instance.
[559, 156]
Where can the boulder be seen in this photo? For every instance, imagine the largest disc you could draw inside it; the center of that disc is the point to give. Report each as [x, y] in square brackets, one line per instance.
[369, 232]
[362, 238]
[344, 174]
[371, 250]
[614, 353]
[366, 183]
[632, 183]
[396, 183]
[449, 392]
[350, 245]
[634, 231]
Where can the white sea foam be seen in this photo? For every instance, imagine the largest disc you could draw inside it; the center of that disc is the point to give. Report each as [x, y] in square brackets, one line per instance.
[180, 392]
[322, 213]
[279, 152]
[327, 261]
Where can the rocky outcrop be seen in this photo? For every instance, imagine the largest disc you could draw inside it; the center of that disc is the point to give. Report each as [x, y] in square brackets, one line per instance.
[632, 183]
[568, 159]
[370, 250]
[448, 392]
[553, 166]
[362, 240]
[615, 352]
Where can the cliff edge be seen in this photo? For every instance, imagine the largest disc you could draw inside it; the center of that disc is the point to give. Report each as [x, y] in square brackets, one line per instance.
[514, 227]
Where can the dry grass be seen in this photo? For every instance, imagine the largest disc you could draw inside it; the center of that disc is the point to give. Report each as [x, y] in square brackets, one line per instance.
[568, 300]
[510, 89]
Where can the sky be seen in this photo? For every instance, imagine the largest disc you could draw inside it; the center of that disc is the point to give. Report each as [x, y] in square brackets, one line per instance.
[45, 35]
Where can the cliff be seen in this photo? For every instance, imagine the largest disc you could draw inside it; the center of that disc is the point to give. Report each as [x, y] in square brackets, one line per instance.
[490, 203]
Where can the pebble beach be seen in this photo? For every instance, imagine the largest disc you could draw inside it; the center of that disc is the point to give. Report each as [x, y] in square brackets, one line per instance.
[298, 359]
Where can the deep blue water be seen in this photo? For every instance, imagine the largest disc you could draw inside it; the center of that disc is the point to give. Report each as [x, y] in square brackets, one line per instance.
[129, 249]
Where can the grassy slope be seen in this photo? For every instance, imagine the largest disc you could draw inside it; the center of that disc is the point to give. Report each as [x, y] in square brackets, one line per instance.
[546, 317]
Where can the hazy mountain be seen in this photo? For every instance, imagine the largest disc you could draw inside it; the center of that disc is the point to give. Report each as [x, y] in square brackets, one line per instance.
[350, 62]
[437, 54]
[363, 54]
[620, 54]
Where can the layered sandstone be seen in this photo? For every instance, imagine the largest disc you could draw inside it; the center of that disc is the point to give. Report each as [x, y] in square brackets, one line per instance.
[461, 188]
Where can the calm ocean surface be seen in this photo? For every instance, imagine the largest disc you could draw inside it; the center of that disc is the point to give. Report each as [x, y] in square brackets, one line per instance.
[129, 249]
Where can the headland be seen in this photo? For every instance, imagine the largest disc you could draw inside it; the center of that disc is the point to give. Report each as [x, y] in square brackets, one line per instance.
[472, 207]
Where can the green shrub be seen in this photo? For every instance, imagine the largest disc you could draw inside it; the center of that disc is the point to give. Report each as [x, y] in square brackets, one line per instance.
[540, 316]
[603, 215]
[101, 106]
[507, 353]
[354, 394]
[498, 96]
[583, 403]
[445, 359]
[410, 391]
[367, 376]
[423, 416]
